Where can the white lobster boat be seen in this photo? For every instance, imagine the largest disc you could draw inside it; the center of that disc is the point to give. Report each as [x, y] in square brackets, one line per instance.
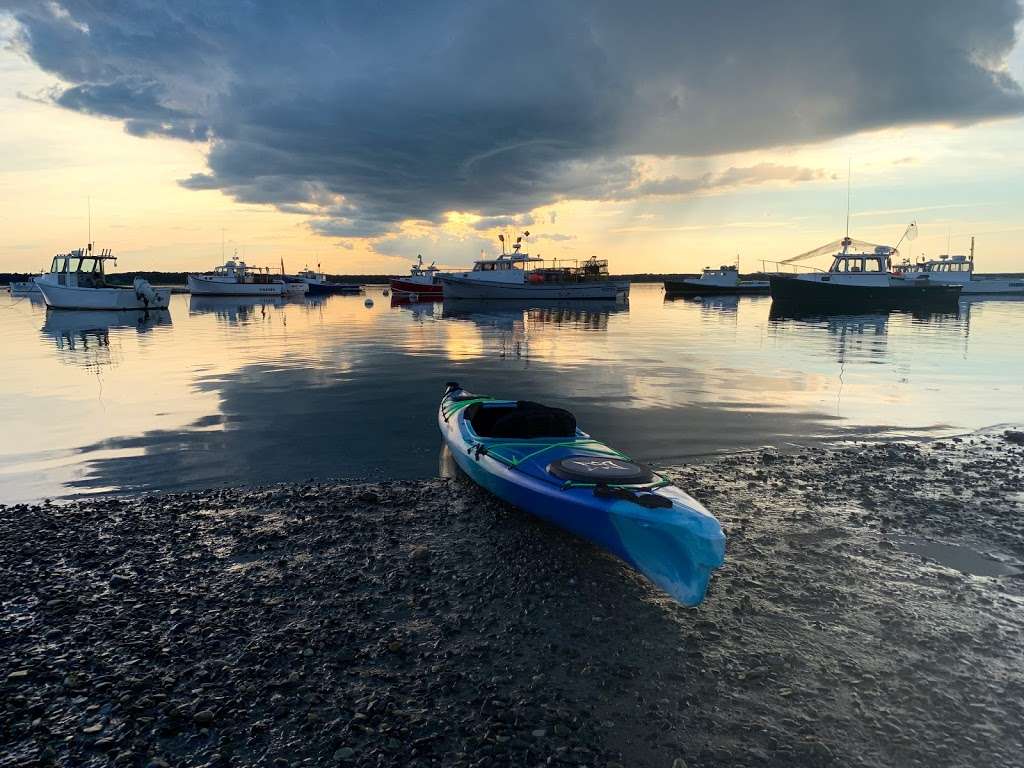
[959, 270]
[714, 282]
[236, 278]
[77, 280]
[518, 275]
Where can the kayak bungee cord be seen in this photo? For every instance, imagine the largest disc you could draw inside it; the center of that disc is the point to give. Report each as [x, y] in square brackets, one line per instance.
[481, 449]
[586, 443]
[458, 405]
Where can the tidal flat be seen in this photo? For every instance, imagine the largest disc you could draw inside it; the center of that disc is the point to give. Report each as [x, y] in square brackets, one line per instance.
[425, 623]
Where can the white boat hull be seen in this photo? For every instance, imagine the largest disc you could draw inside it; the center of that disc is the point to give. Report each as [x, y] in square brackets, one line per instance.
[993, 286]
[462, 288]
[296, 289]
[204, 285]
[117, 299]
[23, 288]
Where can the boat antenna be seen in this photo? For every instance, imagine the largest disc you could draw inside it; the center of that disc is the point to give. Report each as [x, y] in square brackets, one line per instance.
[849, 166]
[88, 202]
[972, 249]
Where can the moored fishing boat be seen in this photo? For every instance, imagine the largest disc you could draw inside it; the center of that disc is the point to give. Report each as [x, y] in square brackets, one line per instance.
[236, 278]
[518, 275]
[319, 284]
[77, 280]
[294, 287]
[536, 458]
[959, 270]
[23, 287]
[422, 282]
[860, 281]
[713, 282]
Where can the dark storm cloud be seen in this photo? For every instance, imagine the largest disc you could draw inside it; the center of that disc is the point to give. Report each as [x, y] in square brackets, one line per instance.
[139, 104]
[503, 222]
[366, 114]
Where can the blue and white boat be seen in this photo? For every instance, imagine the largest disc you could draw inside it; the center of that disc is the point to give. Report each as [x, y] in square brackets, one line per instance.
[534, 457]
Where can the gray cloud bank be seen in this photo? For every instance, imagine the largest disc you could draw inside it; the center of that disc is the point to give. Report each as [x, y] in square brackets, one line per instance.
[364, 114]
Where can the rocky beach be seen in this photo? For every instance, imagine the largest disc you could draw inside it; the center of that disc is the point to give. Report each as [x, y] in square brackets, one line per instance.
[870, 613]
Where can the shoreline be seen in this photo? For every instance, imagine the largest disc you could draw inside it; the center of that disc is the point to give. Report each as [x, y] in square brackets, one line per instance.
[424, 622]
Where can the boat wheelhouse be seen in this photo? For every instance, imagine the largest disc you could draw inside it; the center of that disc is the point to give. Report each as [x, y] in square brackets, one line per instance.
[236, 278]
[77, 280]
[319, 285]
[518, 275]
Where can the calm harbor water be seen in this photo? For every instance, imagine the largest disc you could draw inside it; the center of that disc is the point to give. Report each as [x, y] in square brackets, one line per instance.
[229, 391]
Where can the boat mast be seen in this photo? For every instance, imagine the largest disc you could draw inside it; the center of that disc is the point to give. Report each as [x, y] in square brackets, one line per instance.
[846, 238]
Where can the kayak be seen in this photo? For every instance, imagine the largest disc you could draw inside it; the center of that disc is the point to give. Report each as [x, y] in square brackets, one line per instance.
[535, 458]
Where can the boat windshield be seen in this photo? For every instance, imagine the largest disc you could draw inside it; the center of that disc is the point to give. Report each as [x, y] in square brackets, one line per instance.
[492, 266]
[858, 263]
[949, 266]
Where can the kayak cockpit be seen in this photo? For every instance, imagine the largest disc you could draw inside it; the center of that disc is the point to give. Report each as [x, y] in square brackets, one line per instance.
[520, 420]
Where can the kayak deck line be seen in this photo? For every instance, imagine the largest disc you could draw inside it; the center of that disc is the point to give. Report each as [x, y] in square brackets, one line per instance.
[627, 486]
[458, 405]
[587, 443]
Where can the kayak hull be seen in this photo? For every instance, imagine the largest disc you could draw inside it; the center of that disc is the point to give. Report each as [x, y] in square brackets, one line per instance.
[676, 548]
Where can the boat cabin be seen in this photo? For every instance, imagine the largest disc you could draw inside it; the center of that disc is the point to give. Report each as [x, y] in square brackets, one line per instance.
[504, 263]
[862, 263]
[310, 276]
[946, 264]
[418, 270]
[244, 273]
[81, 268]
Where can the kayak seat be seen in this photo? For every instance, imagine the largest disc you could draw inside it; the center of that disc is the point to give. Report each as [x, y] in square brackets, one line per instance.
[523, 420]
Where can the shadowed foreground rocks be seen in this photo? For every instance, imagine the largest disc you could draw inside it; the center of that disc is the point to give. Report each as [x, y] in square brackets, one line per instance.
[423, 623]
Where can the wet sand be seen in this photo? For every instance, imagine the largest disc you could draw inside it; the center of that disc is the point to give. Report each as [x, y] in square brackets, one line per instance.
[424, 623]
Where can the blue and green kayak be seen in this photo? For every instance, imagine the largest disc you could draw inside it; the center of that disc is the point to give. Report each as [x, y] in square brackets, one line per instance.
[534, 457]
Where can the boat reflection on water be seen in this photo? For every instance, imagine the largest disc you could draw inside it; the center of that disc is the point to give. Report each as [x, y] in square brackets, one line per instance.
[865, 335]
[235, 310]
[84, 337]
[728, 304]
[510, 325]
[590, 314]
[788, 312]
[420, 310]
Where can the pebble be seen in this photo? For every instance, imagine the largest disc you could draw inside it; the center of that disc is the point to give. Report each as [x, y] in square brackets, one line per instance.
[204, 717]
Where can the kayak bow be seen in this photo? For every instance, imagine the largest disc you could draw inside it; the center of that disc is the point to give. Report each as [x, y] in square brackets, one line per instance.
[535, 458]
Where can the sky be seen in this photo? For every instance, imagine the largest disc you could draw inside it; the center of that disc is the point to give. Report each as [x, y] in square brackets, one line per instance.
[665, 136]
